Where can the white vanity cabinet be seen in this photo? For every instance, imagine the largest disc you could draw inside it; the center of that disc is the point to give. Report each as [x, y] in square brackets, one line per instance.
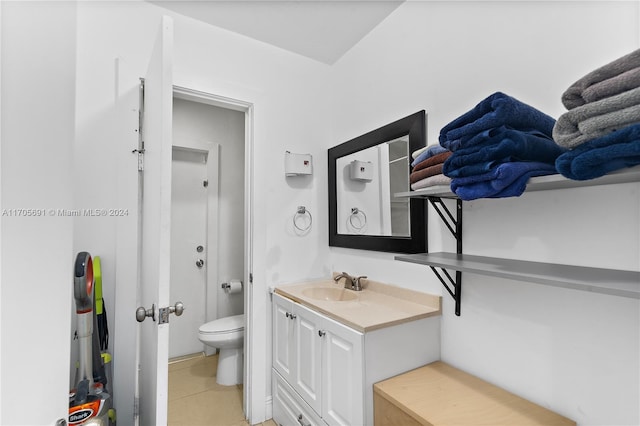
[324, 371]
[321, 360]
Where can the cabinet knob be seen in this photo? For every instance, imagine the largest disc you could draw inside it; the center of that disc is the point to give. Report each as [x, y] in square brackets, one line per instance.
[321, 333]
[290, 315]
[301, 421]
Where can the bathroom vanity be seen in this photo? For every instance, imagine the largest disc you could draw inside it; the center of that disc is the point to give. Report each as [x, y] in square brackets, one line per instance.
[330, 345]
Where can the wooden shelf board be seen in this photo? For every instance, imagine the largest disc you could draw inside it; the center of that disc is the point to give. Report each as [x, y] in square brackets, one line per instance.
[607, 281]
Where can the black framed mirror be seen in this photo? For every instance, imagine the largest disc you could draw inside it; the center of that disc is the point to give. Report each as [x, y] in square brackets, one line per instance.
[364, 174]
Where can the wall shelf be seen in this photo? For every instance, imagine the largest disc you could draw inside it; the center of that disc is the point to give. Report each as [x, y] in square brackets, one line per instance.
[598, 280]
[539, 183]
[607, 281]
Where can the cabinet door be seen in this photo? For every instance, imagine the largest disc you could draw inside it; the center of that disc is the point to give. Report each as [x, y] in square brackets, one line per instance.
[283, 337]
[343, 381]
[308, 379]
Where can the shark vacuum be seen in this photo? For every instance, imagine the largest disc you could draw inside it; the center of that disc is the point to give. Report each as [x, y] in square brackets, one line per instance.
[90, 403]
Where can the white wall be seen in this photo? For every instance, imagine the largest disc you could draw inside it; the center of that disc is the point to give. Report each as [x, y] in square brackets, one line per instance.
[575, 352]
[38, 84]
[290, 109]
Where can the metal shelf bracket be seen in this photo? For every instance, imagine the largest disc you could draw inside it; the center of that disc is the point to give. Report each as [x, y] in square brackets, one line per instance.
[454, 224]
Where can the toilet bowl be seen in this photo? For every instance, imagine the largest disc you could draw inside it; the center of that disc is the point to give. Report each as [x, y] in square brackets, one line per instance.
[226, 334]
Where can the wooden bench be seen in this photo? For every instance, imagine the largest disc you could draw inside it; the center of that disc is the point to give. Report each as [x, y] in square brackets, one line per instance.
[439, 394]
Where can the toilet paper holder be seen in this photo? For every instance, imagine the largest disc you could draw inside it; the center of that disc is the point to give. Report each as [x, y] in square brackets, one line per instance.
[227, 286]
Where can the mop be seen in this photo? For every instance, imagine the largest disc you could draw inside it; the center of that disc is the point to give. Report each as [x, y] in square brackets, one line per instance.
[101, 310]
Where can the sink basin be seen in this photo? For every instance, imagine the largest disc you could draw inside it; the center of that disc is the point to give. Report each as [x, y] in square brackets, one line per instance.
[330, 294]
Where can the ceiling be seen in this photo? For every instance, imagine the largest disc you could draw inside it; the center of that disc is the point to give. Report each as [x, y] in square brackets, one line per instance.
[323, 30]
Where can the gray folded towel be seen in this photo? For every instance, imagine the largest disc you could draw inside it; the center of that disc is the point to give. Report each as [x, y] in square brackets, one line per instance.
[617, 69]
[612, 86]
[596, 119]
[607, 123]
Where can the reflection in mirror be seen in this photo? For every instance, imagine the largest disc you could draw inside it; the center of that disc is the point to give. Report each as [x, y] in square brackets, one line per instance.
[366, 181]
[364, 175]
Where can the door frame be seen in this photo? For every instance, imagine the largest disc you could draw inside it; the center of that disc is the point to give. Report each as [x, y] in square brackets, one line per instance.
[253, 396]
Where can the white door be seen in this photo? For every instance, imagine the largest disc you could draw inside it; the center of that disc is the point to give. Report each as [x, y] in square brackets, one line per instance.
[189, 263]
[308, 350]
[156, 229]
[343, 378]
[283, 347]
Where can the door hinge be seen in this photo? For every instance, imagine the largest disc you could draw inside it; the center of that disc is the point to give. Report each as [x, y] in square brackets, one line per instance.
[140, 153]
[140, 149]
[136, 407]
[250, 278]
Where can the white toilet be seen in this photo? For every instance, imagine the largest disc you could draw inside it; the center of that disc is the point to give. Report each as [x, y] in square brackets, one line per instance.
[226, 334]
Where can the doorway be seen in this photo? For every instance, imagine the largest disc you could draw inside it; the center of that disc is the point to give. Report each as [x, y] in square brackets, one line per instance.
[208, 238]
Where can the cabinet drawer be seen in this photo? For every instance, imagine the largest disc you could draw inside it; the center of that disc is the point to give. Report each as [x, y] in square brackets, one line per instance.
[289, 409]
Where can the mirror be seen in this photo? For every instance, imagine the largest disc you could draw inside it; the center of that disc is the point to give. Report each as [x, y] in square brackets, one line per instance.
[364, 175]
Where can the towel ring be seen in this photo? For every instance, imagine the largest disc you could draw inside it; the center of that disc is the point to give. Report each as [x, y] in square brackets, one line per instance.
[302, 211]
[361, 223]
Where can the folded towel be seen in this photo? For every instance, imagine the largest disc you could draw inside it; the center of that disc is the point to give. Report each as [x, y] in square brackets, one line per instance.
[505, 180]
[595, 119]
[574, 95]
[600, 156]
[436, 180]
[607, 123]
[429, 151]
[612, 86]
[426, 172]
[432, 161]
[417, 152]
[494, 111]
[501, 145]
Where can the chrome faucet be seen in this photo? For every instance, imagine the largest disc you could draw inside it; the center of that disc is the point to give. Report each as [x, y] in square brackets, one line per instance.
[350, 283]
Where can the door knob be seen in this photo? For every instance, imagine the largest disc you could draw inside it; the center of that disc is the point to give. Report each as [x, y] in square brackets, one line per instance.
[199, 263]
[142, 313]
[178, 309]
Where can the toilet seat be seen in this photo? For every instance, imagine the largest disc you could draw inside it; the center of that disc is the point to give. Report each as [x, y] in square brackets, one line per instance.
[226, 325]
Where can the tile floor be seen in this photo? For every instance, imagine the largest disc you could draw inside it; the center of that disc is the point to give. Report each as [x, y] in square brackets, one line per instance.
[195, 399]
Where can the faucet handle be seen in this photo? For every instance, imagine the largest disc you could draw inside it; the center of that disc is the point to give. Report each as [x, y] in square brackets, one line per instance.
[349, 281]
[356, 282]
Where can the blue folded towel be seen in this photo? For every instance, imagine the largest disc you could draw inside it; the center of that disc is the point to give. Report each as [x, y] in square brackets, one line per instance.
[600, 156]
[501, 145]
[430, 151]
[494, 111]
[505, 180]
